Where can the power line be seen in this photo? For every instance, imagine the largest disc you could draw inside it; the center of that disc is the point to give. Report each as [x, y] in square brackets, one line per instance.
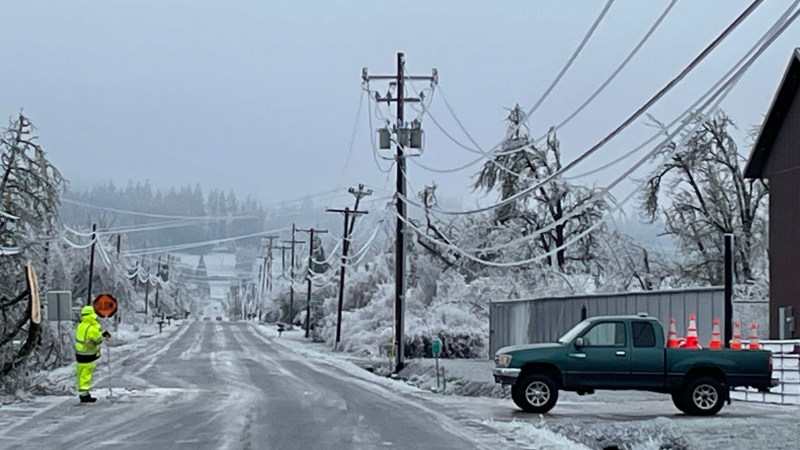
[721, 94]
[782, 19]
[697, 60]
[598, 91]
[158, 216]
[746, 13]
[572, 58]
[139, 228]
[619, 68]
[169, 248]
[352, 138]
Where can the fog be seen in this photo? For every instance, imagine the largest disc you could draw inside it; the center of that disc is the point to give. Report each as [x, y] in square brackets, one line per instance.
[261, 97]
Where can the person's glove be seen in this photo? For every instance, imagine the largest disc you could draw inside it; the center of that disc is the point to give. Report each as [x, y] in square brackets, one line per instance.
[106, 334]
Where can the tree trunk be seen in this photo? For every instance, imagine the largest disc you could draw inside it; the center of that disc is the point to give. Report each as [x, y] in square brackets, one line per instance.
[34, 331]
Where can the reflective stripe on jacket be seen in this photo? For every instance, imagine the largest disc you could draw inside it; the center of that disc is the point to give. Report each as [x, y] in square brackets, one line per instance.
[88, 336]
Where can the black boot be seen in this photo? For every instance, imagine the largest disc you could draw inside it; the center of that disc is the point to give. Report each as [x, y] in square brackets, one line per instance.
[87, 398]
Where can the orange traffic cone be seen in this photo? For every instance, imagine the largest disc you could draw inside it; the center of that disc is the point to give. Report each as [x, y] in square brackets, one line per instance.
[753, 337]
[716, 342]
[672, 340]
[736, 343]
[691, 333]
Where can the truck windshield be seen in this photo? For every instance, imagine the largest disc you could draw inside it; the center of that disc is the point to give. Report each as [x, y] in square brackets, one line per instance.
[574, 332]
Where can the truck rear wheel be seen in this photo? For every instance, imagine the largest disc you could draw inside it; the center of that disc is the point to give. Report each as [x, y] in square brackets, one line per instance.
[703, 396]
[535, 393]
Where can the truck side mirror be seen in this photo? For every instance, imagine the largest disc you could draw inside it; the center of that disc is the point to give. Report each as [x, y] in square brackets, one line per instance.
[579, 342]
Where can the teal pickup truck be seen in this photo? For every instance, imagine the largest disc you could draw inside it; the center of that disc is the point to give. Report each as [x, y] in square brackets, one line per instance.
[628, 353]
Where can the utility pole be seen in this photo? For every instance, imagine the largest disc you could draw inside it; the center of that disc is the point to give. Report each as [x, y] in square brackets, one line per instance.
[283, 260]
[268, 262]
[262, 275]
[405, 137]
[158, 284]
[311, 232]
[261, 269]
[119, 244]
[243, 297]
[348, 231]
[138, 278]
[291, 272]
[91, 265]
[146, 293]
[46, 265]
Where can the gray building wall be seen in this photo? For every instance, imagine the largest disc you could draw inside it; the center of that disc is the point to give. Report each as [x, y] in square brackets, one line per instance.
[514, 322]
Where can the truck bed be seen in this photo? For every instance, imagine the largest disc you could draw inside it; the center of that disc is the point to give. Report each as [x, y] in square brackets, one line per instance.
[741, 367]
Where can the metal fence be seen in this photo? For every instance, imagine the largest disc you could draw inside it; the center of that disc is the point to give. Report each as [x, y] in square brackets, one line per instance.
[785, 367]
[513, 322]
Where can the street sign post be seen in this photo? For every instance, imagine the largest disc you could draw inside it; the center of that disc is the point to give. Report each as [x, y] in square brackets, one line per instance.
[105, 305]
[60, 309]
[59, 306]
[436, 349]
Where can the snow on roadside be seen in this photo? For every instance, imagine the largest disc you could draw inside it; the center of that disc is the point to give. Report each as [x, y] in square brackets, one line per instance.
[656, 434]
[529, 435]
[465, 377]
[125, 341]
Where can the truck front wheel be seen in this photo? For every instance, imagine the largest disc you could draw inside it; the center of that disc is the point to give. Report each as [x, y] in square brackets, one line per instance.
[535, 393]
[703, 396]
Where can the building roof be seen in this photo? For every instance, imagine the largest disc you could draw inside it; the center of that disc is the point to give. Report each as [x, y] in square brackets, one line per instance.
[774, 120]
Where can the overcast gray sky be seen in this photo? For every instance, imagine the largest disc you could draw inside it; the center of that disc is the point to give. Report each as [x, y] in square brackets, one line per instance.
[261, 96]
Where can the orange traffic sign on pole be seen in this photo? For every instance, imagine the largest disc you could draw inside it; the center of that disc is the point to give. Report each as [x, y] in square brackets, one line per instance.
[105, 305]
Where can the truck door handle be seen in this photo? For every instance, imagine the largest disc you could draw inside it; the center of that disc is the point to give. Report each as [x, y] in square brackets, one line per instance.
[578, 355]
[621, 353]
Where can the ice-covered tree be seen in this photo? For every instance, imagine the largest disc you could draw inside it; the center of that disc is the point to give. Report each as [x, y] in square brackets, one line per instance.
[318, 264]
[29, 197]
[201, 274]
[708, 197]
[519, 164]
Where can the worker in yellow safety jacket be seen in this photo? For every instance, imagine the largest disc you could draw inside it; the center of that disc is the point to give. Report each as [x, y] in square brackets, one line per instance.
[88, 337]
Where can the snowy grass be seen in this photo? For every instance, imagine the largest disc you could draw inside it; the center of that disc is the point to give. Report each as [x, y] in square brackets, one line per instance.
[470, 378]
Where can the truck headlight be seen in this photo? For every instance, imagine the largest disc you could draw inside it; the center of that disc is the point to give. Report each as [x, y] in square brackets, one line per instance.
[502, 360]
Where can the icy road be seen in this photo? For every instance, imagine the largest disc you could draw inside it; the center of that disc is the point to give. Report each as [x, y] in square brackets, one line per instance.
[220, 385]
[235, 385]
